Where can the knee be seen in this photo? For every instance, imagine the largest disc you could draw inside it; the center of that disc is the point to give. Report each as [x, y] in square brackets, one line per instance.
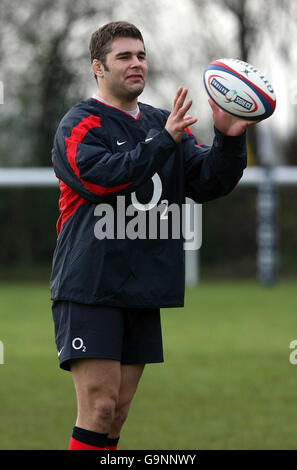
[101, 402]
[103, 409]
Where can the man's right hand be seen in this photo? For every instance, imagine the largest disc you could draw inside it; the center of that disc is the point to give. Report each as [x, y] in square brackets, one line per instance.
[178, 120]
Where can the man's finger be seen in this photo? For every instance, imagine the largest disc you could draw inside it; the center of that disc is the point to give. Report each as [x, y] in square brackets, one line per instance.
[214, 106]
[181, 99]
[189, 120]
[182, 111]
[177, 95]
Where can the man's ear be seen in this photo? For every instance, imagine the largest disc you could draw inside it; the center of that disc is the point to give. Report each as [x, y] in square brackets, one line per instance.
[98, 68]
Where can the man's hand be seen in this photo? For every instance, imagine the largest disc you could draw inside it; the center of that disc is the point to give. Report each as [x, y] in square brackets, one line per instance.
[177, 120]
[226, 123]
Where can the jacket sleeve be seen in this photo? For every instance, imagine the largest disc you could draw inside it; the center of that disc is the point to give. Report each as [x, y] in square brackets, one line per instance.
[84, 161]
[211, 172]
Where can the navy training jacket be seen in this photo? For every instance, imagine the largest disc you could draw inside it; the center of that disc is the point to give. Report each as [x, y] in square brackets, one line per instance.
[113, 171]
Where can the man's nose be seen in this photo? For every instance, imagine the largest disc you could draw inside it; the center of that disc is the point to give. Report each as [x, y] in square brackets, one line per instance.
[135, 62]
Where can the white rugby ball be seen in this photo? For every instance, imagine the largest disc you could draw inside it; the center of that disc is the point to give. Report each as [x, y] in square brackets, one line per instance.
[240, 89]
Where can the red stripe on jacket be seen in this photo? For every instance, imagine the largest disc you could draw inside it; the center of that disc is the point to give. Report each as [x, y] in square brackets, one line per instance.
[187, 130]
[69, 201]
[77, 135]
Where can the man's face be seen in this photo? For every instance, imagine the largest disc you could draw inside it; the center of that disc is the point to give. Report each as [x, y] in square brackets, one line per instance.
[125, 69]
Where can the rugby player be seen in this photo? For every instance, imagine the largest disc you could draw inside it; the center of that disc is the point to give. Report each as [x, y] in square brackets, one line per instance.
[107, 291]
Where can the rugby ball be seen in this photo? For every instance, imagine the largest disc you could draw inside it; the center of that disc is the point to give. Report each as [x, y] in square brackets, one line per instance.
[239, 89]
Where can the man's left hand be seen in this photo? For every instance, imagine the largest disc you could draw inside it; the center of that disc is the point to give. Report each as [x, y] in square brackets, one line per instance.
[226, 123]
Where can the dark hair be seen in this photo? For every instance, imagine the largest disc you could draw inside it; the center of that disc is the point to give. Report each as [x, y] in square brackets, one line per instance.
[100, 44]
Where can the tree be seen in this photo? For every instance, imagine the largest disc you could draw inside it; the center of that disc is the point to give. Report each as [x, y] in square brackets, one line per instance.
[39, 93]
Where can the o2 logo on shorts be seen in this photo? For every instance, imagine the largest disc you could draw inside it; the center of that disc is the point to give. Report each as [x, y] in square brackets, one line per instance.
[78, 344]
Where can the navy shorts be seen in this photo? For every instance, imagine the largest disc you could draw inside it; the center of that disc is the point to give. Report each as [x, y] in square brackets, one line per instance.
[128, 335]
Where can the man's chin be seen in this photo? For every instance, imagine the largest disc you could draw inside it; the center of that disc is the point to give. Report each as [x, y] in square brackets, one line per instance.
[134, 92]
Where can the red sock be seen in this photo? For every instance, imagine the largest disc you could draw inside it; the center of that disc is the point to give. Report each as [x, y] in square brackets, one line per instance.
[77, 445]
[83, 439]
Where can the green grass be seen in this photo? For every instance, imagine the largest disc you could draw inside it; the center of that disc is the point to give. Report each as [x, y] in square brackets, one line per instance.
[226, 383]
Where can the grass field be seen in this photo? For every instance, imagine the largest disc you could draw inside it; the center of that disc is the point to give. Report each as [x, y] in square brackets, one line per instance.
[226, 383]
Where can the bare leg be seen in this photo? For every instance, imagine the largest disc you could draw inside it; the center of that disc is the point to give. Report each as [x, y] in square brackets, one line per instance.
[97, 384]
[130, 376]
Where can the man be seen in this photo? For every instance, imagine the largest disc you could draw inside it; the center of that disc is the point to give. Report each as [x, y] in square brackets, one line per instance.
[115, 153]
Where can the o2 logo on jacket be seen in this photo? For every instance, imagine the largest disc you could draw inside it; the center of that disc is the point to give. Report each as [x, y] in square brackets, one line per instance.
[157, 193]
[185, 221]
